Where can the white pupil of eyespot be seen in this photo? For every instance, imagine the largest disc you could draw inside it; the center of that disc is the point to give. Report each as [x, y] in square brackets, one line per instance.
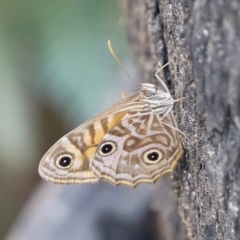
[64, 161]
[152, 156]
[107, 148]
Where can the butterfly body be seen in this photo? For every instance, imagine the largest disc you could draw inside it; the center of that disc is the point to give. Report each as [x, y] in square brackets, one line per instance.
[134, 141]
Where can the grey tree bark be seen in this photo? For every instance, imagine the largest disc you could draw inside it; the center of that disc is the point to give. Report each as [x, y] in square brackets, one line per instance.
[202, 40]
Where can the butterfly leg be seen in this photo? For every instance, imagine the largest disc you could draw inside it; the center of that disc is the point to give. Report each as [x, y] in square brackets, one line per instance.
[160, 80]
[166, 113]
[161, 121]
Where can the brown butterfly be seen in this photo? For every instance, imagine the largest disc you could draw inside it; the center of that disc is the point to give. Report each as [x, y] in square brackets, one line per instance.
[134, 141]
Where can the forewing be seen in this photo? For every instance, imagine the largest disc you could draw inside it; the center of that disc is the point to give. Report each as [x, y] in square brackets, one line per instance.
[80, 144]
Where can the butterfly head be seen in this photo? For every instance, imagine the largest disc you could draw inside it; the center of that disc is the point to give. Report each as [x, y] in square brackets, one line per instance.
[156, 99]
[148, 89]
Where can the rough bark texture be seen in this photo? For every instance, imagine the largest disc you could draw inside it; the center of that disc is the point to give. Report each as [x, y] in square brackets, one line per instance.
[202, 39]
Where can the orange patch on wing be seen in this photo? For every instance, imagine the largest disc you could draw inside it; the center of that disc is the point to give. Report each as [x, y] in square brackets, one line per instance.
[90, 152]
[112, 121]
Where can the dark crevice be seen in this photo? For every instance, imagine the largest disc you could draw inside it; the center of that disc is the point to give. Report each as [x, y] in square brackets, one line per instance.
[166, 70]
[156, 11]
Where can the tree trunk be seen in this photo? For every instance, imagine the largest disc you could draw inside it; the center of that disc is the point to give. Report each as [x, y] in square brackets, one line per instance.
[201, 40]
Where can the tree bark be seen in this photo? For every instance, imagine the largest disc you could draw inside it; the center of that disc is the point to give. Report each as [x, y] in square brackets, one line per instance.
[201, 40]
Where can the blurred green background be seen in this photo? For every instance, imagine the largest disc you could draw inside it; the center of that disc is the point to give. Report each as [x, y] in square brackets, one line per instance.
[55, 72]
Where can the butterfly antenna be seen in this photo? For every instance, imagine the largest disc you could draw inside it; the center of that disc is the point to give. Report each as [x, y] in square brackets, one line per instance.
[118, 61]
[160, 80]
[170, 59]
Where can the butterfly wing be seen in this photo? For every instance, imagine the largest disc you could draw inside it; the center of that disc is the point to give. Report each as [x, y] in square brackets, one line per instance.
[67, 161]
[139, 148]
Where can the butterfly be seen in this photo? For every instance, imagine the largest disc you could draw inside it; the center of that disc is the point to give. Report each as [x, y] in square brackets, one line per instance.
[134, 141]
